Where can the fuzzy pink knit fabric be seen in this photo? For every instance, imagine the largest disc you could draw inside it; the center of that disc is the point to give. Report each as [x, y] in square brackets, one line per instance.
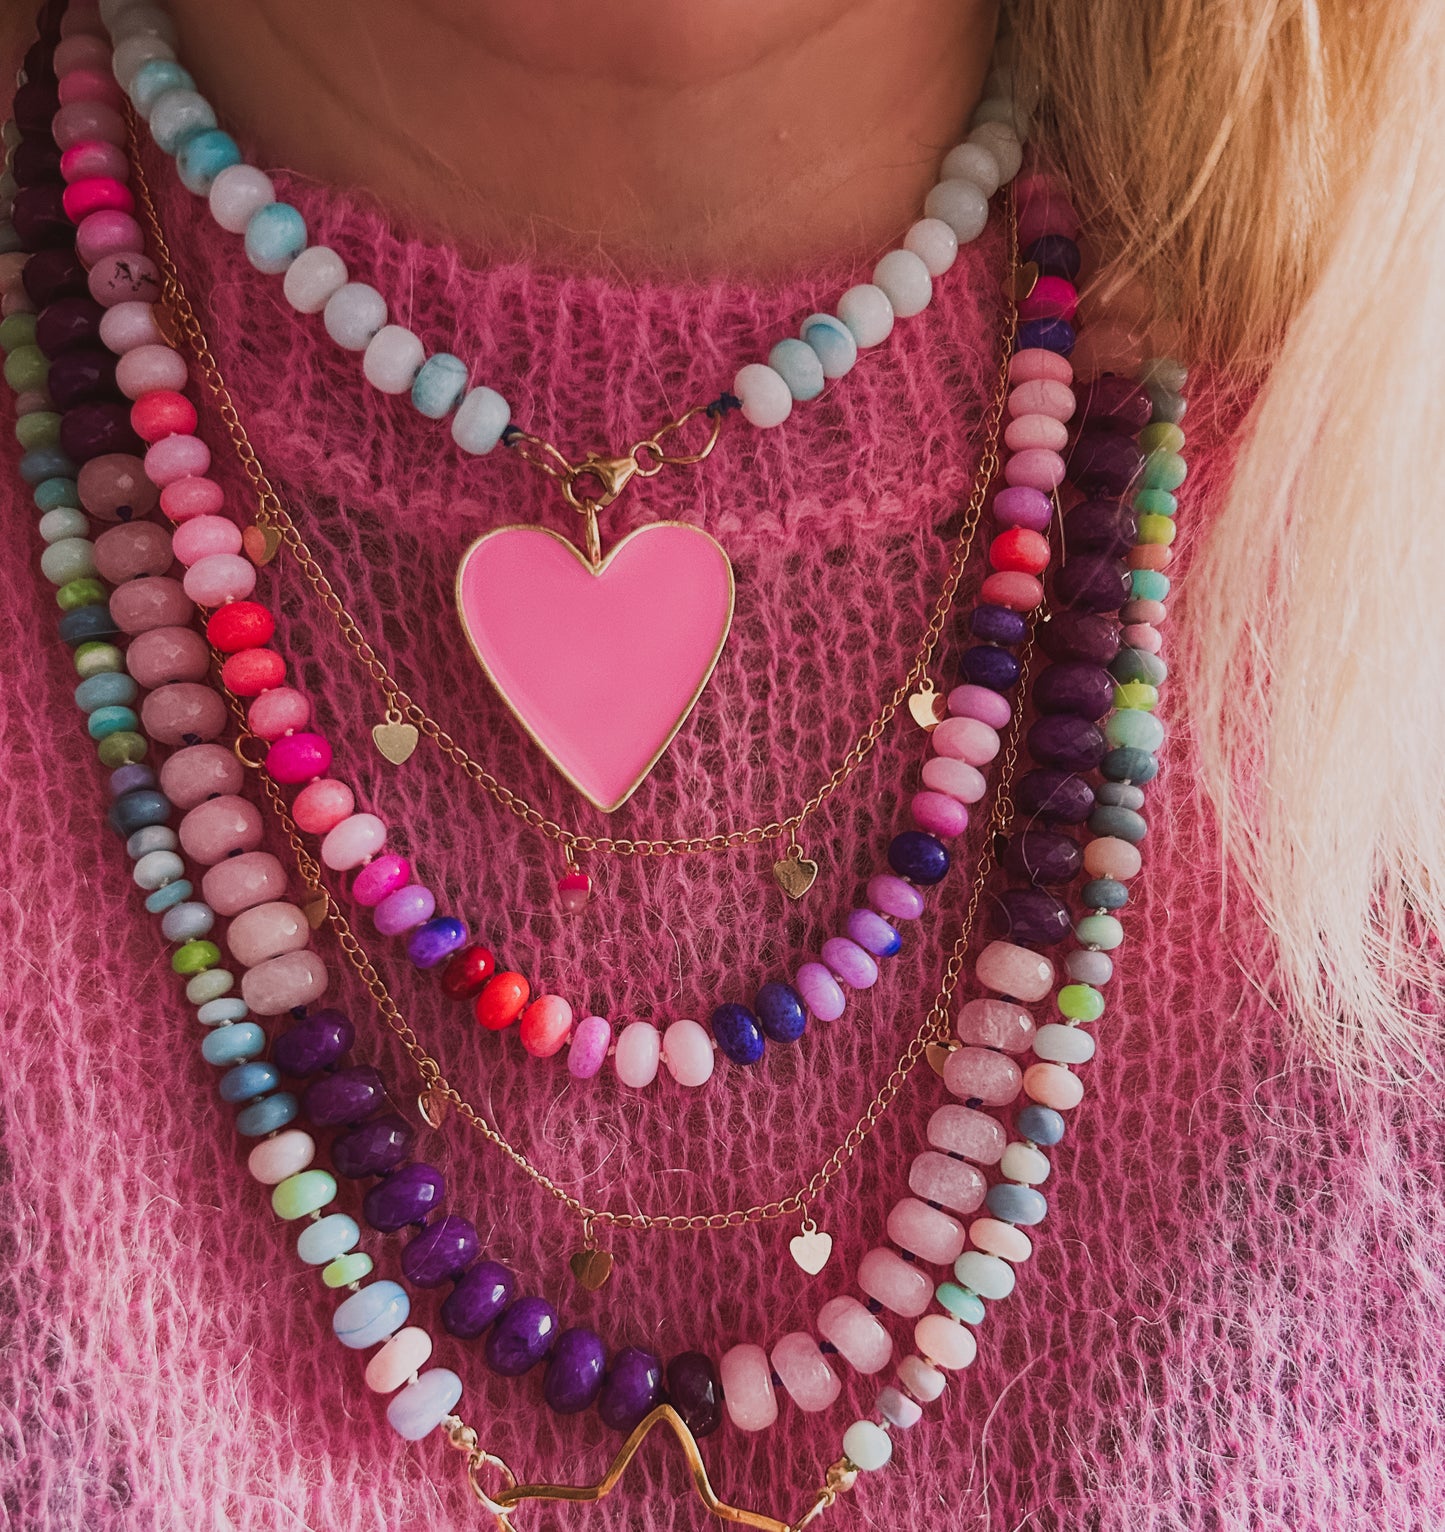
[1233, 1318]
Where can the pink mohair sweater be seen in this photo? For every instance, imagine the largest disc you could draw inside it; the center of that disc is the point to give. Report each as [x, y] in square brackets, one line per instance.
[1233, 1317]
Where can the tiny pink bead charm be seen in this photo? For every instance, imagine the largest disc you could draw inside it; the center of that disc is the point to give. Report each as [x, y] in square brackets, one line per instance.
[574, 890]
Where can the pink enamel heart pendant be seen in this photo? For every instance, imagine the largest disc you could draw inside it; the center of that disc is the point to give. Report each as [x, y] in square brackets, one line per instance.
[601, 667]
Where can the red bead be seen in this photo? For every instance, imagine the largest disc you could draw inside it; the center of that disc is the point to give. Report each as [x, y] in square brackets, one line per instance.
[240, 625]
[502, 1001]
[1020, 550]
[1018, 592]
[467, 971]
[249, 672]
[162, 413]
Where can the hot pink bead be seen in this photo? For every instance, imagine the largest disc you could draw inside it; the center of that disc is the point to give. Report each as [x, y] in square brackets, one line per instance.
[176, 457]
[820, 992]
[404, 1355]
[150, 603]
[1020, 506]
[218, 828]
[80, 52]
[144, 369]
[1110, 857]
[938, 814]
[945, 1342]
[240, 882]
[183, 712]
[1053, 1085]
[1036, 432]
[198, 772]
[202, 536]
[545, 1025]
[966, 739]
[922, 1381]
[99, 194]
[184, 498]
[981, 703]
[128, 325]
[1034, 362]
[83, 120]
[279, 711]
[1036, 469]
[925, 1232]
[1043, 396]
[355, 840]
[688, 1053]
[320, 806]
[162, 413]
[95, 157]
[891, 896]
[980, 1074]
[219, 578]
[747, 1382]
[1143, 635]
[956, 779]
[405, 909]
[1005, 1240]
[848, 962]
[588, 1051]
[1051, 298]
[131, 549]
[273, 1160]
[124, 277]
[282, 983]
[861, 1341]
[266, 931]
[168, 654]
[298, 758]
[1012, 588]
[639, 1051]
[83, 84]
[962, 1130]
[804, 1372]
[380, 878]
[995, 1024]
[106, 232]
[1010, 970]
[114, 487]
[899, 1286]
[940, 1178]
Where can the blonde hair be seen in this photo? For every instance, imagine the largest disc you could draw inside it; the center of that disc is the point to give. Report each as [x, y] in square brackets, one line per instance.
[1275, 171]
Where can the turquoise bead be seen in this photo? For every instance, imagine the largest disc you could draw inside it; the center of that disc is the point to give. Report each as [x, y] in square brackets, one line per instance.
[202, 158]
[153, 79]
[234, 1044]
[111, 720]
[247, 1081]
[800, 368]
[110, 690]
[267, 1115]
[833, 341]
[217, 1013]
[327, 1238]
[439, 385]
[960, 1303]
[1163, 470]
[166, 898]
[275, 236]
[1134, 729]
[421, 1407]
[1148, 585]
[50, 493]
[1101, 931]
[370, 1316]
[46, 463]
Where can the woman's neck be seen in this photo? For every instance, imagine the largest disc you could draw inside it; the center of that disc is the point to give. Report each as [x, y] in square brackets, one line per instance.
[746, 136]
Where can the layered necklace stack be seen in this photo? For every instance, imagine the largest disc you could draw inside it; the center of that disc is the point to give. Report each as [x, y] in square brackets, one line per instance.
[101, 347]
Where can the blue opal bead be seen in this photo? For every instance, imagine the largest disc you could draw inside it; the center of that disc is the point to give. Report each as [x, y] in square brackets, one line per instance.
[234, 1044]
[216, 1013]
[439, 385]
[998, 625]
[85, 623]
[1016, 1204]
[374, 1148]
[315, 1043]
[186, 922]
[523, 1336]
[407, 1195]
[738, 1032]
[1104, 894]
[988, 665]
[202, 158]
[275, 236]
[267, 1115]
[477, 1299]
[1128, 764]
[694, 1390]
[105, 721]
[168, 896]
[418, 1409]
[1121, 824]
[799, 366]
[1054, 255]
[135, 810]
[1041, 1125]
[345, 1097]
[440, 1252]
[151, 838]
[247, 1081]
[111, 689]
[575, 1369]
[1046, 335]
[46, 463]
[434, 941]
[370, 1316]
[632, 1390]
[321, 1242]
[780, 1012]
[833, 341]
[153, 79]
[919, 857]
[50, 494]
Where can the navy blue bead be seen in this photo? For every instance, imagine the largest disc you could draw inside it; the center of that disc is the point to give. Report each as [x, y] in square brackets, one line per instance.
[1046, 334]
[986, 665]
[247, 1081]
[738, 1034]
[1121, 824]
[1129, 764]
[781, 1012]
[1016, 1204]
[85, 623]
[919, 857]
[477, 1299]
[1104, 894]
[1041, 1125]
[134, 811]
[1055, 256]
[998, 625]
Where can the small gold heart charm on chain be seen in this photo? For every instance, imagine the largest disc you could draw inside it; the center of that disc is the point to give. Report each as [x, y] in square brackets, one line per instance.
[395, 738]
[811, 1248]
[316, 906]
[925, 706]
[260, 543]
[591, 1268]
[433, 1104]
[937, 1056]
[795, 873]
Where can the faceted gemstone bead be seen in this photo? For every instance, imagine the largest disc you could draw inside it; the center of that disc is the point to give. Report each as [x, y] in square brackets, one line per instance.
[1054, 795]
[780, 1011]
[995, 1024]
[855, 1334]
[922, 859]
[987, 665]
[407, 1196]
[694, 1390]
[633, 1388]
[1115, 403]
[738, 1033]
[748, 1393]
[1043, 857]
[1061, 739]
[440, 1252]
[575, 1371]
[1032, 916]
[346, 1096]
[973, 1135]
[467, 972]
[522, 1336]
[949, 1182]
[804, 1372]
[1091, 583]
[477, 1299]
[1105, 462]
[315, 1043]
[1074, 686]
[1082, 636]
[374, 1148]
[982, 1075]
[1010, 970]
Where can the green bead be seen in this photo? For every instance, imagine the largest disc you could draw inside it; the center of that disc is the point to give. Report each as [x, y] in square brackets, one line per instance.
[195, 957]
[17, 330]
[1131, 729]
[52, 492]
[123, 749]
[1148, 584]
[1155, 502]
[1157, 530]
[40, 428]
[86, 591]
[95, 658]
[961, 1303]
[1138, 665]
[302, 1194]
[354, 1266]
[26, 368]
[1162, 436]
[105, 721]
[1080, 1002]
[1136, 694]
[1163, 470]
[1101, 931]
[210, 985]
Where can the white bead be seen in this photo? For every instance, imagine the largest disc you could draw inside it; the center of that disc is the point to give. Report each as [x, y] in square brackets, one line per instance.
[177, 115]
[236, 193]
[867, 1445]
[1002, 81]
[961, 205]
[1022, 1162]
[353, 314]
[72, 558]
[480, 420]
[141, 20]
[985, 1275]
[1003, 143]
[64, 521]
[973, 162]
[393, 359]
[1000, 109]
[866, 311]
[131, 52]
[687, 1050]
[1063, 1045]
[766, 398]
[314, 278]
[904, 280]
[934, 243]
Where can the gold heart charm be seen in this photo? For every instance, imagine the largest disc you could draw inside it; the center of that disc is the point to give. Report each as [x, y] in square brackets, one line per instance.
[1021, 281]
[433, 1105]
[315, 907]
[260, 543]
[937, 1056]
[591, 1268]
[811, 1248]
[396, 741]
[926, 707]
[795, 875]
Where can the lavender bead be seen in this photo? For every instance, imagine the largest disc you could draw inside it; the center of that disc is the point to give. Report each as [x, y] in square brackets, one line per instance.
[404, 910]
[344, 1097]
[1074, 686]
[1043, 856]
[1055, 796]
[1031, 916]
[694, 1390]
[374, 1148]
[1085, 967]
[1060, 739]
[441, 1252]
[522, 1337]
[987, 665]
[998, 625]
[1104, 462]
[434, 942]
[1091, 584]
[126, 779]
[477, 1299]
[315, 1043]
[1080, 636]
[1114, 403]
[575, 1371]
[873, 933]
[406, 1196]
[1101, 526]
[81, 376]
[632, 1390]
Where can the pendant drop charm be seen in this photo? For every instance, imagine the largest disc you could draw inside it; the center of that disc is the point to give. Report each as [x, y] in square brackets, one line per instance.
[395, 738]
[433, 1106]
[795, 873]
[260, 543]
[591, 1268]
[812, 1248]
[925, 706]
[574, 888]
